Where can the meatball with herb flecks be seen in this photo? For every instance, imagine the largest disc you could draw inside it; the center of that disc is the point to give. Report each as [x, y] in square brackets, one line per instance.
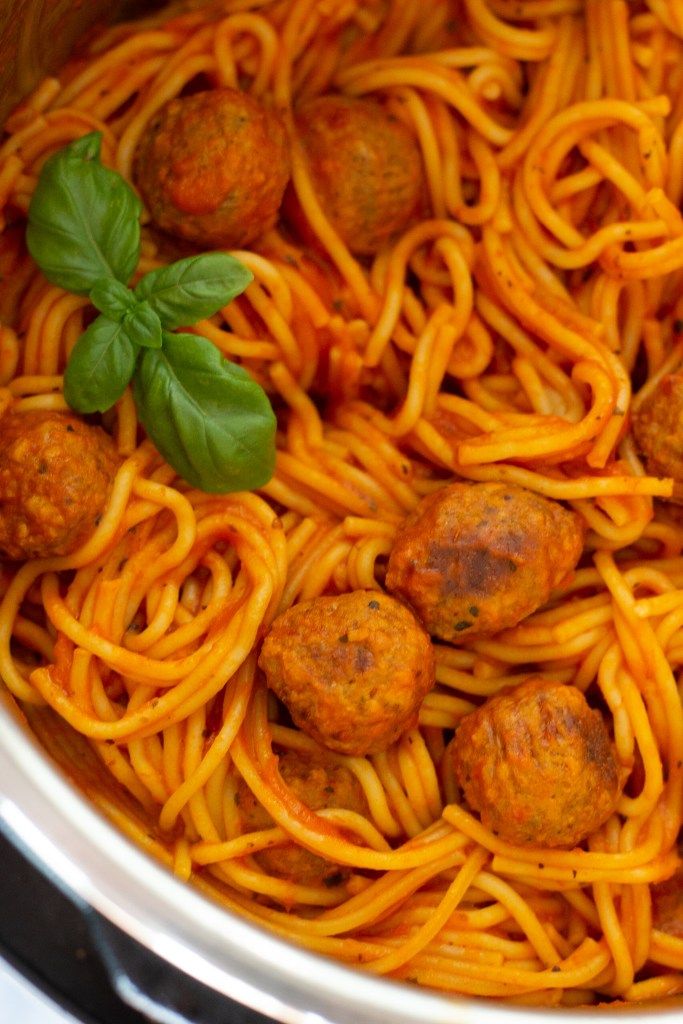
[365, 168]
[320, 783]
[212, 168]
[537, 764]
[658, 428]
[56, 474]
[352, 670]
[473, 559]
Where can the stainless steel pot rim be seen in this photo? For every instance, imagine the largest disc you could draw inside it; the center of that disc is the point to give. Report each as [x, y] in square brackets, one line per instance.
[89, 858]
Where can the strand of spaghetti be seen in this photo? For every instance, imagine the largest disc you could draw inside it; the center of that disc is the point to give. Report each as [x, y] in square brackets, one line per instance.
[256, 27]
[202, 677]
[662, 691]
[431, 356]
[646, 801]
[128, 663]
[567, 489]
[233, 717]
[412, 783]
[382, 895]
[585, 965]
[525, 442]
[320, 225]
[424, 935]
[307, 829]
[623, 972]
[658, 870]
[565, 859]
[394, 277]
[663, 259]
[125, 52]
[519, 43]
[361, 768]
[666, 950]
[391, 783]
[546, 91]
[585, 118]
[245, 878]
[662, 987]
[446, 83]
[370, 455]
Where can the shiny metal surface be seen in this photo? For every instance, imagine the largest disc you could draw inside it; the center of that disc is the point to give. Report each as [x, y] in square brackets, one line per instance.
[88, 858]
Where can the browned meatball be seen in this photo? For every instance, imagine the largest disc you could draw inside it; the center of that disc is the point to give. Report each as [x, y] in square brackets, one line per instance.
[658, 428]
[473, 559]
[667, 905]
[319, 783]
[213, 167]
[352, 670]
[365, 168]
[538, 765]
[56, 473]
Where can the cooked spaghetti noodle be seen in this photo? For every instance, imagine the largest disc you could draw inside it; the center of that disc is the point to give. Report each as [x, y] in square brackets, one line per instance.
[497, 338]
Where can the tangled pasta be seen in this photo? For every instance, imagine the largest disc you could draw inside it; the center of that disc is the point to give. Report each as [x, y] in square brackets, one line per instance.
[506, 333]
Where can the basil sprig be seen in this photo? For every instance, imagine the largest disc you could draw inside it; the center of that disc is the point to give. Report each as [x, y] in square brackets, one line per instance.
[186, 383]
[206, 416]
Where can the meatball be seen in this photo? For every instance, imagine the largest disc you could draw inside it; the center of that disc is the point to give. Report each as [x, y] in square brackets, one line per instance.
[352, 670]
[213, 168]
[473, 559]
[365, 168]
[56, 473]
[319, 783]
[537, 763]
[667, 905]
[658, 428]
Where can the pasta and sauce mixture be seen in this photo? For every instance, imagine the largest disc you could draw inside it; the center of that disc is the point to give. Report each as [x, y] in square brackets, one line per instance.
[415, 702]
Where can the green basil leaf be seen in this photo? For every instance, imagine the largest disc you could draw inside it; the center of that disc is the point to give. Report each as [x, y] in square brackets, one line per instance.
[112, 298]
[117, 302]
[88, 147]
[194, 288]
[207, 417]
[143, 326]
[101, 364]
[83, 221]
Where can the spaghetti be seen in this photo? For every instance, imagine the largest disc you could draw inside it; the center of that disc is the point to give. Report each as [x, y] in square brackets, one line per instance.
[497, 339]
